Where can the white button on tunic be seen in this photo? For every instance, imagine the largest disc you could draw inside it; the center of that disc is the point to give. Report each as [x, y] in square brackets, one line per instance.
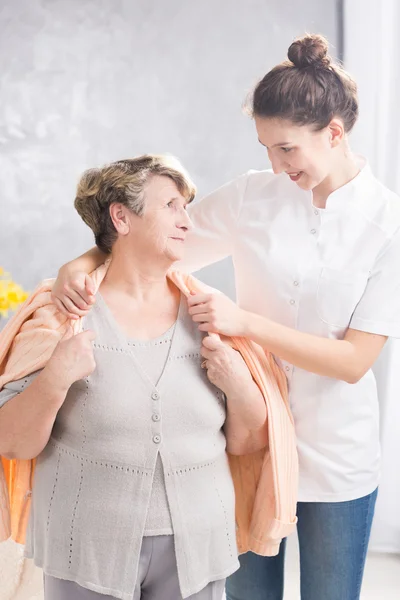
[346, 274]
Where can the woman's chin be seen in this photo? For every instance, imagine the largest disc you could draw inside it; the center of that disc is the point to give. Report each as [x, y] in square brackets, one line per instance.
[174, 256]
[175, 252]
[305, 184]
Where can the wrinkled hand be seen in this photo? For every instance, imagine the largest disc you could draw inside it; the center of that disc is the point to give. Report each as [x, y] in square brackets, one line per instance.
[73, 293]
[72, 359]
[225, 366]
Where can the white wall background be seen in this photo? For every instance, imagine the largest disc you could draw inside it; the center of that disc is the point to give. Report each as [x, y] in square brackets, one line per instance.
[83, 82]
[372, 45]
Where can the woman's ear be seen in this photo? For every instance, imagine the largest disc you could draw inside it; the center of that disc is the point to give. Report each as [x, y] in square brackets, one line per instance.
[120, 217]
[336, 132]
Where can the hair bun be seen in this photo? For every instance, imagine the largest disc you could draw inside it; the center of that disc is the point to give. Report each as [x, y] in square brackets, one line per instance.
[309, 51]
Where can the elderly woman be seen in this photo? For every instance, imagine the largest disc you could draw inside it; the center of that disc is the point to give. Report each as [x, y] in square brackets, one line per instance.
[132, 495]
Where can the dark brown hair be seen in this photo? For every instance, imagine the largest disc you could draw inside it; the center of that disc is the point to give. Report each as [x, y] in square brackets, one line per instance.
[307, 89]
[124, 182]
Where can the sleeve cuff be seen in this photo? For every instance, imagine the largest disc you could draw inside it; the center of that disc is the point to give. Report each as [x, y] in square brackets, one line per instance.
[377, 327]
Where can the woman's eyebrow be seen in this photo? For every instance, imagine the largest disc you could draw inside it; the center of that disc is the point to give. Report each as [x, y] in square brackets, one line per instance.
[275, 145]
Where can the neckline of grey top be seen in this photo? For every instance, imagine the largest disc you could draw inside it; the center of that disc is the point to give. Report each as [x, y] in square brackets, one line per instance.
[170, 335]
[158, 341]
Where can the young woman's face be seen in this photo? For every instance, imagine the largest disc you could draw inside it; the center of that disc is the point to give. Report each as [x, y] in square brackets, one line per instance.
[298, 150]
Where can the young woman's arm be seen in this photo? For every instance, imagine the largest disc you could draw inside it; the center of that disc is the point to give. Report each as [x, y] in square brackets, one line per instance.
[348, 359]
[72, 292]
[375, 318]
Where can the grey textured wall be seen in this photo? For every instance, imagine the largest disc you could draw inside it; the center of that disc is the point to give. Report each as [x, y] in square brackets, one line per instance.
[83, 82]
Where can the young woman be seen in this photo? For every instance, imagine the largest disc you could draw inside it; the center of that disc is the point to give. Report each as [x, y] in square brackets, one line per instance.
[316, 249]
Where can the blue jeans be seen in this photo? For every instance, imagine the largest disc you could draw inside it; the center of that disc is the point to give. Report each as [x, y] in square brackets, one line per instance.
[333, 542]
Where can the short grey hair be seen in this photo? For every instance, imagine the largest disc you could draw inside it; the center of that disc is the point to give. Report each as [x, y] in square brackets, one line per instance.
[124, 182]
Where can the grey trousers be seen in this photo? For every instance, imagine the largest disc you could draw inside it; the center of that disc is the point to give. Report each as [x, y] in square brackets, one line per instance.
[157, 578]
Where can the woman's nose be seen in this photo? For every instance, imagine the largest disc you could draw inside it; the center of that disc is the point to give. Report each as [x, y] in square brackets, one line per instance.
[277, 165]
[185, 221]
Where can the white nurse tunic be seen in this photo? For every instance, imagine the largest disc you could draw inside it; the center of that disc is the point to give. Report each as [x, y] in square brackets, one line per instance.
[320, 271]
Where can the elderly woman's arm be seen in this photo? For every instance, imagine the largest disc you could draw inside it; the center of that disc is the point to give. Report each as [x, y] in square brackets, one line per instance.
[27, 417]
[26, 420]
[246, 427]
[246, 420]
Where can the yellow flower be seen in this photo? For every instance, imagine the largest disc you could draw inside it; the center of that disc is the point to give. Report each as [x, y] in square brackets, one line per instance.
[11, 294]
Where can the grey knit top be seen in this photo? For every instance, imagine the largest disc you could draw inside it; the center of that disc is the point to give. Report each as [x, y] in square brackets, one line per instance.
[94, 480]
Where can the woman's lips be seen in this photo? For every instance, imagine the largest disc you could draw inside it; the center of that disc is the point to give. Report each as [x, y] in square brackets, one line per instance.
[295, 176]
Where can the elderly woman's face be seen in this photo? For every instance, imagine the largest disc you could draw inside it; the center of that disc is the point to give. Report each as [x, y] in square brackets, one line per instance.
[161, 231]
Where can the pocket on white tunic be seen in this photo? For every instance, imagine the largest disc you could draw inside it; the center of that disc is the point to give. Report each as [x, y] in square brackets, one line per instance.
[339, 291]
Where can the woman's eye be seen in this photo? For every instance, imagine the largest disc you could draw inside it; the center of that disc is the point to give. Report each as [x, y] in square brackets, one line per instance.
[170, 204]
[286, 150]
